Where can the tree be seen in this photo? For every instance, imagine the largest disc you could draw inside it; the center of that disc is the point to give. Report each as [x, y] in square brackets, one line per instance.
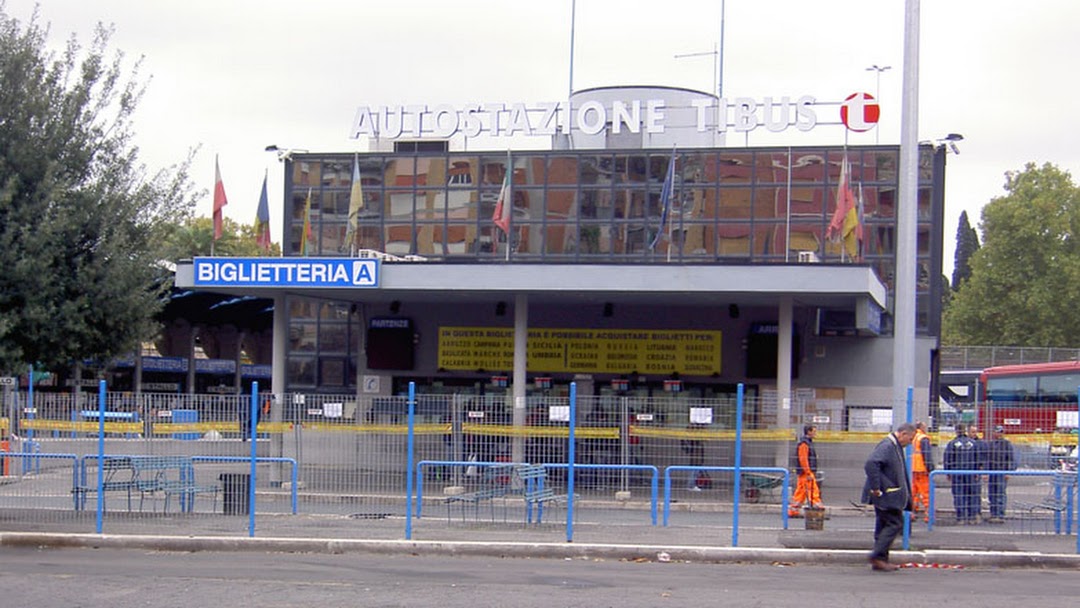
[1024, 287]
[967, 243]
[195, 236]
[81, 220]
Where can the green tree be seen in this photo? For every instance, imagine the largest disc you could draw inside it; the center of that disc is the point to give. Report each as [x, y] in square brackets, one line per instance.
[81, 220]
[195, 237]
[967, 243]
[1024, 287]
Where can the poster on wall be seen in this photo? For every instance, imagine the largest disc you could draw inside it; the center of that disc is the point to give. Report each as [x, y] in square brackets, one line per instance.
[584, 351]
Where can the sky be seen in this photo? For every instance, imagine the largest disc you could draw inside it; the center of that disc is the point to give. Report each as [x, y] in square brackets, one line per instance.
[230, 77]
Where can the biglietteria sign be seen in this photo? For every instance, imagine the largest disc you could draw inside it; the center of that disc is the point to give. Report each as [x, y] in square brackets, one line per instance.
[741, 114]
[286, 272]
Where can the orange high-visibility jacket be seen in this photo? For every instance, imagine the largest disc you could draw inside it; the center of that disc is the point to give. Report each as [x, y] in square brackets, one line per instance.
[922, 459]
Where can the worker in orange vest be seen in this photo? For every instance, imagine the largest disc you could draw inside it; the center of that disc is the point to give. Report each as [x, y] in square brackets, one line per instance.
[806, 488]
[922, 464]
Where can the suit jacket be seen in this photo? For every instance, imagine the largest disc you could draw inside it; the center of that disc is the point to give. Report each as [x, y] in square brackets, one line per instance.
[886, 470]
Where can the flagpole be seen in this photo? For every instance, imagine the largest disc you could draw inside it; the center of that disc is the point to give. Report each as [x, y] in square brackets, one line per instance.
[787, 219]
[509, 202]
[213, 203]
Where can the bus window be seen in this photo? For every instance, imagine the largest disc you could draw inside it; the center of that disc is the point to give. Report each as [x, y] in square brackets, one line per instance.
[1058, 388]
[1011, 390]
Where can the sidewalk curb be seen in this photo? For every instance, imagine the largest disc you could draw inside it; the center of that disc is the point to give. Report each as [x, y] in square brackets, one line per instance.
[718, 555]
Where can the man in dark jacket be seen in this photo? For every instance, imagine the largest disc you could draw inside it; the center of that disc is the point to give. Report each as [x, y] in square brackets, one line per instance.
[962, 454]
[1001, 457]
[888, 488]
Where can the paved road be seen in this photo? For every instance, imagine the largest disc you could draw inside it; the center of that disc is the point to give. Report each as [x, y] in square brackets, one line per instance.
[126, 578]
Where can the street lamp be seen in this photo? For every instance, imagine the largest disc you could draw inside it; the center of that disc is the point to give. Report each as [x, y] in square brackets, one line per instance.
[877, 94]
[283, 154]
[952, 138]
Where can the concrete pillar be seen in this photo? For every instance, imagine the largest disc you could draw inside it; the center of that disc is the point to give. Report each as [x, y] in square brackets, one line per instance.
[783, 376]
[521, 337]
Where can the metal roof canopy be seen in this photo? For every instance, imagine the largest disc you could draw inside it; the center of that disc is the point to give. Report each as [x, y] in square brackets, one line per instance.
[838, 286]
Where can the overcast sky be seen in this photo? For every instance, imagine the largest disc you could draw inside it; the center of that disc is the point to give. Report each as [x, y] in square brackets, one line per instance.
[233, 76]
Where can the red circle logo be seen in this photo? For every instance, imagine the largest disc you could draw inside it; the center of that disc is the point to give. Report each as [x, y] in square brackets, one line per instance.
[860, 112]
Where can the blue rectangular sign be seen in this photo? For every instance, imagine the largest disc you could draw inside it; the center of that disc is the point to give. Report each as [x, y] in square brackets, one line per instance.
[287, 272]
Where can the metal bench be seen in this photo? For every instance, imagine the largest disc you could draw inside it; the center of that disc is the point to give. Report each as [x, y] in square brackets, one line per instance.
[535, 490]
[118, 476]
[169, 475]
[154, 474]
[495, 484]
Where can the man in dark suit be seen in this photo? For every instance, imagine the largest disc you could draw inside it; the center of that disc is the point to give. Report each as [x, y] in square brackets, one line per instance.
[888, 488]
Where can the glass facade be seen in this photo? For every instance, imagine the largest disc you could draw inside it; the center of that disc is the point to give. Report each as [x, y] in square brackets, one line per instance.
[744, 206]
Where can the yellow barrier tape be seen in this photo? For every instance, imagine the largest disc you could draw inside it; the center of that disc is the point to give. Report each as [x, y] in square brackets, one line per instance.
[494, 430]
[713, 435]
[41, 424]
[377, 429]
[170, 428]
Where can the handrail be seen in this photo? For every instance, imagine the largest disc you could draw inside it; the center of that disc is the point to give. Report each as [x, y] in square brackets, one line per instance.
[459, 463]
[781, 470]
[940, 472]
[264, 459]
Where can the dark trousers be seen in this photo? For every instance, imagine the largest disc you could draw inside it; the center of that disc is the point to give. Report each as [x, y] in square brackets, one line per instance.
[887, 526]
[966, 496]
[996, 489]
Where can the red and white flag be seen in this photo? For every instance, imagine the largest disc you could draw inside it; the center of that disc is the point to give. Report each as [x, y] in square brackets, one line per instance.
[219, 200]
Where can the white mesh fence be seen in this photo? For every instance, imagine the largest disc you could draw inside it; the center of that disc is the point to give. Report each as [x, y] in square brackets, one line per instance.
[181, 463]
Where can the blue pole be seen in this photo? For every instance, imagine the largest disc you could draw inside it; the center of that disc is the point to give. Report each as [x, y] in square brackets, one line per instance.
[570, 465]
[101, 455]
[254, 413]
[738, 464]
[667, 494]
[409, 463]
[29, 405]
[1078, 475]
[908, 455]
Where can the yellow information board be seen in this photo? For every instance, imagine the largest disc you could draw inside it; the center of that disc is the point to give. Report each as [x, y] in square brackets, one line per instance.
[584, 351]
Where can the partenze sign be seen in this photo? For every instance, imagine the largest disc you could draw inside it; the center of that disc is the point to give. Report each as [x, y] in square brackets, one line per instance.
[286, 272]
[740, 114]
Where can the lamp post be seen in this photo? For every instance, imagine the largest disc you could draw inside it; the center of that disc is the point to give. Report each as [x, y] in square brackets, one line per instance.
[877, 94]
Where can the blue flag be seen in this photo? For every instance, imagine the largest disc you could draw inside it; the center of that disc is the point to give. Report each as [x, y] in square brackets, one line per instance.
[262, 220]
[666, 192]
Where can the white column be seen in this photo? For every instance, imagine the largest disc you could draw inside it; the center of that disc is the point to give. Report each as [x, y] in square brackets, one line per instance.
[521, 337]
[907, 216]
[783, 376]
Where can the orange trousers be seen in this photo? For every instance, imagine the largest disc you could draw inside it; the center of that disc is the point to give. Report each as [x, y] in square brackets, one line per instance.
[806, 492]
[920, 490]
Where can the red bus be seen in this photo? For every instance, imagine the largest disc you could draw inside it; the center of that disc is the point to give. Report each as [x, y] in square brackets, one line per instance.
[1029, 398]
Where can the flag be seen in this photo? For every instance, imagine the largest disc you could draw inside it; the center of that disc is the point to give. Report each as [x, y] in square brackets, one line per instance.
[305, 232]
[503, 206]
[666, 192]
[262, 220]
[219, 199]
[356, 203]
[845, 225]
[853, 228]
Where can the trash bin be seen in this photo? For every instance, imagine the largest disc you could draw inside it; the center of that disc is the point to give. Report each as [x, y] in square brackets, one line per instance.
[234, 493]
[815, 518]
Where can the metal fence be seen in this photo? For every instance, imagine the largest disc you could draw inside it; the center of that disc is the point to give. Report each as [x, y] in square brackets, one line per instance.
[980, 357]
[181, 464]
